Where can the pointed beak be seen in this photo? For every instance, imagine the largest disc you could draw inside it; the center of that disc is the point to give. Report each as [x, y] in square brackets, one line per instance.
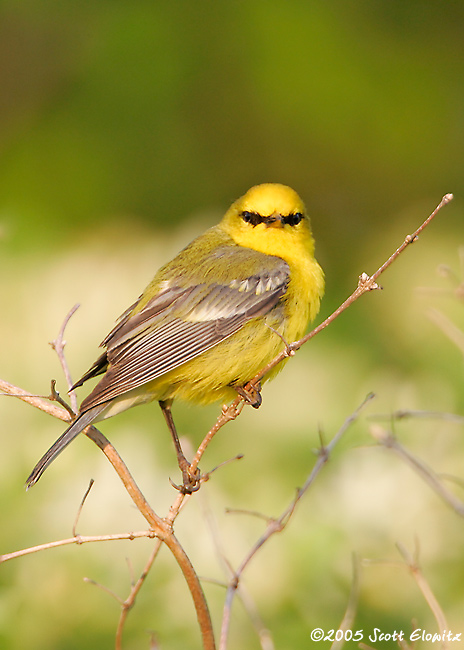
[274, 221]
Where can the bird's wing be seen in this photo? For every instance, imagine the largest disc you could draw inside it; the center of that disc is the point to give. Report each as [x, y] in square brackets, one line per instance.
[181, 323]
[161, 301]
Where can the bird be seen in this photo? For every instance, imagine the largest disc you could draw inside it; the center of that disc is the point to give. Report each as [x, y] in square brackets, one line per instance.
[210, 319]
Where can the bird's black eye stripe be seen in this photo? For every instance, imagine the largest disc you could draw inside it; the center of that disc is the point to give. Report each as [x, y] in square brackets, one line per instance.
[254, 218]
[251, 217]
[293, 219]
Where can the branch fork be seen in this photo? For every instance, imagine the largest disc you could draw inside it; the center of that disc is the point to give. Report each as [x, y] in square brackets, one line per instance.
[163, 528]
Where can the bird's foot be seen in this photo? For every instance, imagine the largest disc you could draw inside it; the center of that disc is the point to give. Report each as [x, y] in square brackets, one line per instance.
[251, 393]
[190, 479]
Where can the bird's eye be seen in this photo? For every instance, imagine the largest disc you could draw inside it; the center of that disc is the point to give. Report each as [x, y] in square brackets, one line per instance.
[293, 219]
[251, 217]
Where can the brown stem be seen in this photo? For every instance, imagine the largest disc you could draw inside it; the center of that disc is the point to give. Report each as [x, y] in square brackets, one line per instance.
[41, 403]
[365, 283]
[163, 530]
[58, 345]
[127, 605]
[277, 525]
[76, 539]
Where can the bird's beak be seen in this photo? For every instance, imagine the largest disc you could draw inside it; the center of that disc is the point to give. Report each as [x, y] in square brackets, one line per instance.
[274, 221]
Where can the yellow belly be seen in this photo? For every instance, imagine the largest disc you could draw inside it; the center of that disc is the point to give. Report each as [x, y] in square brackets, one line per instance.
[211, 376]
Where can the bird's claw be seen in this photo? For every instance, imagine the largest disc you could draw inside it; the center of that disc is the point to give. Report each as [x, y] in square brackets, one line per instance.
[191, 481]
[251, 393]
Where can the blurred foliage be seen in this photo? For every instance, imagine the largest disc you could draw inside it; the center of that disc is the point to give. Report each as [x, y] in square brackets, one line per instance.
[126, 128]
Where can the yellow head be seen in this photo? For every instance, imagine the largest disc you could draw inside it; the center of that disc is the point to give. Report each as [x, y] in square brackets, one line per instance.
[270, 218]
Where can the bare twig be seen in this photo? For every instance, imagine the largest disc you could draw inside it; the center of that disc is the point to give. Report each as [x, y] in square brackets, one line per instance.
[114, 595]
[350, 612]
[365, 283]
[207, 475]
[429, 415]
[81, 505]
[449, 329]
[56, 397]
[250, 513]
[77, 539]
[162, 528]
[130, 567]
[41, 403]
[277, 525]
[388, 440]
[129, 602]
[263, 633]
[424, 586]
[58, 345]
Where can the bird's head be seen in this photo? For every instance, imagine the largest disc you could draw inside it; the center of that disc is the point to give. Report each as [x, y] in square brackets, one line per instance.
[269, 218]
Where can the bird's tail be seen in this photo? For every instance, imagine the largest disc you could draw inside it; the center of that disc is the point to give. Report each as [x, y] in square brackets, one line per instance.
[63, 441]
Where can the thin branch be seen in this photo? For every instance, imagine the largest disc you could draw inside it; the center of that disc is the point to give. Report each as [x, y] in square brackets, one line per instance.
[104, 588]
[127, 604]
[162, 528]
[263, 633]
[449, 329]
[77, 539]
[58, 345]
[228, 461]
[350, 612]
[56, 397]
[429, 415]
[250, 513]
[427, 592]
[277, 525]
[388, 440]
[41, 403]
[81, 505]
[365, 283]
[130, 567]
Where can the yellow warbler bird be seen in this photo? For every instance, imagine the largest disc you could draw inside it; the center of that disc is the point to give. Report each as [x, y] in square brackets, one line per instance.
[211, 318]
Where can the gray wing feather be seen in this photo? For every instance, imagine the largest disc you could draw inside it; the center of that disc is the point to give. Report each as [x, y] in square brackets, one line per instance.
[179, 324]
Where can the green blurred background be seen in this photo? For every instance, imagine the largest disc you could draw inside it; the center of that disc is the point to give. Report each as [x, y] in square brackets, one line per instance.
[127, 128]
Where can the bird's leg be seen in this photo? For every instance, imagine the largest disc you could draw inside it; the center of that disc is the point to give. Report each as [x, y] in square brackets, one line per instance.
[191, 482]
[251, 393]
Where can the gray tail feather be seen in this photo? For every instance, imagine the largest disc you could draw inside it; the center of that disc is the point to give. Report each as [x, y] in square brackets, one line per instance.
[63, 441]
